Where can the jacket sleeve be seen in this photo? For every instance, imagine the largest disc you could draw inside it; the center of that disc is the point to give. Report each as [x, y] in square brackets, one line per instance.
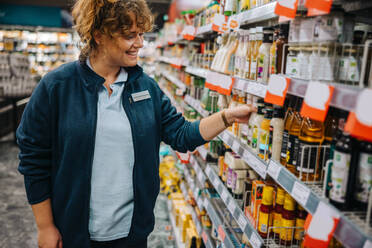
[34, 140]
[180, 134]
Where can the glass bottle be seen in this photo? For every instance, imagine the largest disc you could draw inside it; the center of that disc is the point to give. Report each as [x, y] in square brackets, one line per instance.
[239, 55]
[283, 39]
[277, 216]
[265, 211]
[276, 133]
[310, 137]
[293, 141]
[288, 220]
[287, 125]
[255, 52]
[263, 141]
[252, 40]
[300, 223]
[263, 59]
[256, 128]
[292, 66]
[363, 180]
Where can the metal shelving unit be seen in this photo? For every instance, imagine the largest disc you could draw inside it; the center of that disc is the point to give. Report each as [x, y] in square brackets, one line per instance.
[259, 14]
[196, 105]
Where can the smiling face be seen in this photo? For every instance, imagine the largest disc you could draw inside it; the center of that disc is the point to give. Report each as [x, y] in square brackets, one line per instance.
[121, 49]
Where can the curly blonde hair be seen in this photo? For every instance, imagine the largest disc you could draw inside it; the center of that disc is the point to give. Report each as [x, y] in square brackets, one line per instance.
[110, 17]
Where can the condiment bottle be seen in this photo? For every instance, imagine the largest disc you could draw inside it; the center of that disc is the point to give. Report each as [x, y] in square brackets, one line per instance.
[263, 145]
[256, 124]
[263, 59]
[343, 173]
[292, 67]
[221, 159]
[293, 141]
[230, 7]
[310, 138]
[241, 101]
[239, 55]
[283, 39]
[277, 216]
[288, 220]
[276, 134]
[265, 212]
[300, 223]
[255, 52]
[287, 125]
[252, 40]
[363, 180]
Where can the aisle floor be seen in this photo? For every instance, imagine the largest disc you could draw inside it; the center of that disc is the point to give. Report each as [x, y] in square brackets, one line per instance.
[17, 226]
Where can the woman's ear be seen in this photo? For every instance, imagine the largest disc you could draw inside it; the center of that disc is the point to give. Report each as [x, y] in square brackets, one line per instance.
[97, 36]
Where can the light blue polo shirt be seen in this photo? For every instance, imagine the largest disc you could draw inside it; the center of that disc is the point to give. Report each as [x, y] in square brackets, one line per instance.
[111, 199]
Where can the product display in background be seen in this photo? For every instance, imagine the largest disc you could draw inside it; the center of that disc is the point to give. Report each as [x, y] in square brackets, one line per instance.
[275, 169]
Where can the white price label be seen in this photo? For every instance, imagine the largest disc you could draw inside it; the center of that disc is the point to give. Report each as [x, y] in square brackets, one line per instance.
[300, 193]
[235, 146]
[224, 195]
[200, 203]
[206, 203]
[247, 156]
[367, 244]
[261, 169]
[242, 221]
[255, 241]
[231, 206]
[274, 170]
[201, 178]
[196, 192]
[208, 170]
[198, 227]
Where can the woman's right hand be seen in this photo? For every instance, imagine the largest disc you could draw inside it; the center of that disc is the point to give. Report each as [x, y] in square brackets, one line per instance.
[49, 237]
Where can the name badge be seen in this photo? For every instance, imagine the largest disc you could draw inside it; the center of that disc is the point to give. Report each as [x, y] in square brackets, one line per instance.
[140, 96]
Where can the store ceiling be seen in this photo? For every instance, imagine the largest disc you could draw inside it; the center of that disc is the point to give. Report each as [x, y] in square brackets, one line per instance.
[158, 7]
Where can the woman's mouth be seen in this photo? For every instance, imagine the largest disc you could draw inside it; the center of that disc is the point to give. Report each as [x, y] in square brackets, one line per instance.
[132, 54]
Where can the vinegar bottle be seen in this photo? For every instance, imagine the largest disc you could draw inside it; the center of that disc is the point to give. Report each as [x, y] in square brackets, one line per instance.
[265, 212]
[287, 125]
[311, 137]
[255, 52]
[288, 220]
[300, 223]
[264, 138]
[252, 40]
[256, 128]
[363, 180]
[277, 216]
[276, 134]
[263, 58]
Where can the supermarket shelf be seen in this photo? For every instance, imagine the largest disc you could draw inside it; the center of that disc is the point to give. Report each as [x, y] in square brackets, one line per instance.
[236, 212]
[196, 105]
[197, 71]
[259, 14]
[344, 96]
[202, 151]
[175, 228]
[218, 223]
[174, 80]
[194, 188]
[177, 62]
[250, 87]
[245, 153]
[204, 30]
[199, 228]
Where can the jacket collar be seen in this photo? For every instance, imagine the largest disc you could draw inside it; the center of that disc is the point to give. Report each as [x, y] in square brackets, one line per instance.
[92, 80]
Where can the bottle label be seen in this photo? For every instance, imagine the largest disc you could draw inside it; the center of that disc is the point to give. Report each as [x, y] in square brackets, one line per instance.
[340, 173]
[300, 231]
[292, 150]
[263, 222]
[253, 69]
[292, 66]
[237, 64]
[273, 63]
[249, 136]
[264, 143]
[283, 154]
[286, 233]
[247, 66]
[277, 222]
[271, 137]
[364, 178]
[307, 157]
[260, 66]
[255, 137]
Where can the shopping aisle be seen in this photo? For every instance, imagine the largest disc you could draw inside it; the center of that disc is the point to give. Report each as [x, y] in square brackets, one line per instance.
[17, 225]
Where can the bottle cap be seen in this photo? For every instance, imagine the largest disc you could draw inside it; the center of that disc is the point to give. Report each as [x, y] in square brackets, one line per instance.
[289, 203]
[267, 195]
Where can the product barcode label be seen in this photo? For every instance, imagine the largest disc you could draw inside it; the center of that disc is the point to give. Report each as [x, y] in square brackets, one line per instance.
[208, 170]
[255, 241]
[300, 193]
[274, 170]
[231, 206]
[206, 203]
[224, 195]
[235, 146]
[242, 221]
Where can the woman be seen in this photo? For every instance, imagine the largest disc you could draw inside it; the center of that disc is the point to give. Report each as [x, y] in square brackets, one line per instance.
[89, 137]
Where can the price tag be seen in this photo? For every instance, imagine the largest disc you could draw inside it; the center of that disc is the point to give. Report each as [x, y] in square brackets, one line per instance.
[274, 170]
[189, 32]
[231, 206]
[201, 178]
[317, 99]
[322, 5]
[235, 146]
[300, 193]
[286, 8]
[200, 203]
[208, 170]
[221, 233]
[206, 203]
[196, 192]
[359, 122]
[218, 21]
[233, 23]
[260, 168]
[219, 82]
[367, 244]
[255, 241]
[224, 195]
[277, 89]
[205, 237]
[198, 227]
[242, 221]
